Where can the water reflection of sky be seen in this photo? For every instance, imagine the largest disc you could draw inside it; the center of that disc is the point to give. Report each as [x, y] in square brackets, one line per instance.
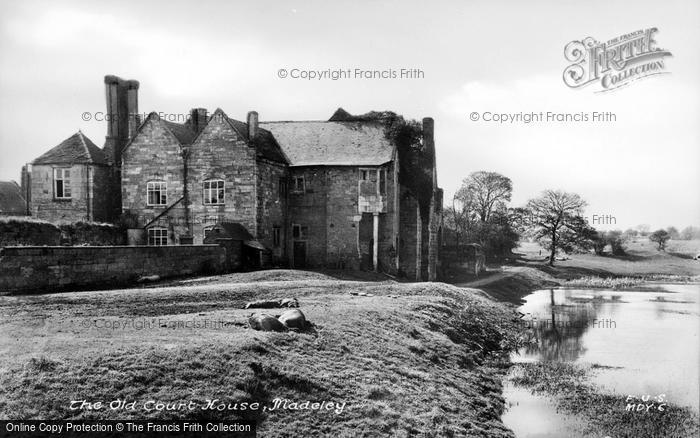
[649, 339]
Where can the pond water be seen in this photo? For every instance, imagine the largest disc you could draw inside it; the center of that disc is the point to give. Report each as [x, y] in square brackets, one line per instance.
[641, 342]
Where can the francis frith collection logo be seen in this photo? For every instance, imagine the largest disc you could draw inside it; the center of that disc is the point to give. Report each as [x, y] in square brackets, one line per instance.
[614, 63]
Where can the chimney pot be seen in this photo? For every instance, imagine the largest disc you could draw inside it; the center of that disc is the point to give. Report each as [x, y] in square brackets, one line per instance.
[252, 124]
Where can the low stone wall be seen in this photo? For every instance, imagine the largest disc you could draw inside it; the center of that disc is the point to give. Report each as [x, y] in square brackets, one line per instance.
[51, 268]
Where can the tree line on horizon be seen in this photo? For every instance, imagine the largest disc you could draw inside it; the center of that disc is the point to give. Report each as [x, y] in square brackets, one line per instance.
[480, 213]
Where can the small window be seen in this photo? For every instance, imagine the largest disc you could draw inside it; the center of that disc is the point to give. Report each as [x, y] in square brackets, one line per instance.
[282, 188]
[299, 184]
[276, 237]
[156, 193]
[207, 230]
[157, 236]
[214, 192]
[364, 174]
[299, 232]
[382, 182]
[61, 178]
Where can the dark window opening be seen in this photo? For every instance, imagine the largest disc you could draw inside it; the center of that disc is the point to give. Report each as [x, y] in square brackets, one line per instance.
[299, 184]
[282, 188]
[61, 183]
[276, 236]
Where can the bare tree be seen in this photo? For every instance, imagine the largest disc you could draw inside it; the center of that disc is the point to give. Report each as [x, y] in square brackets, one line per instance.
[555, 212]
[488, 191]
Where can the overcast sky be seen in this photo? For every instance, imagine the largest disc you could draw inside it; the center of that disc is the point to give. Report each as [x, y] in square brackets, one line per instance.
[476, 56]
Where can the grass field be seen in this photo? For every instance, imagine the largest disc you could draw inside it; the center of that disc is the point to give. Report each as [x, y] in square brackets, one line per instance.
[405, 360]
[642, 259]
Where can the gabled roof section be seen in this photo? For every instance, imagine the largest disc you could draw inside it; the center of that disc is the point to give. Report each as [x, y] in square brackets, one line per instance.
[11, 200]
[265, 144]
[333, 143]
[182, 132]
[76, 149]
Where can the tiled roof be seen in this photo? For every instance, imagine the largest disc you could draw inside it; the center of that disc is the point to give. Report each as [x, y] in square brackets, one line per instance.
[76, 149]
[182, 132]
[230, 230]
[11, 200]
[331, 143]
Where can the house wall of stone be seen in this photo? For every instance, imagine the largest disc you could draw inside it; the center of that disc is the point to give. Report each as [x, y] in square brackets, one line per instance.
[389, 223]
[103, 194]
[154, 155]
[408, 239]
[44, 206]
[272, 208]
[220, 153]
[308, 209]
[338, 233]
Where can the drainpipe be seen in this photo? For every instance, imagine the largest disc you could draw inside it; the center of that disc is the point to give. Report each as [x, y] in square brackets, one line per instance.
[88, 198]
[185, 190]
[375, 247]
[419, 244]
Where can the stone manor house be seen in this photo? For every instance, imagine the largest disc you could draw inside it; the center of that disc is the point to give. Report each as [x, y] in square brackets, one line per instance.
[303, 193]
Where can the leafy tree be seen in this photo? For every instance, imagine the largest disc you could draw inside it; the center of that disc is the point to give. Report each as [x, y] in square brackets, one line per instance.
[617, 241]
[660, 237]
[557, 217]
[578, 236]
[497, 235]
[599, 242]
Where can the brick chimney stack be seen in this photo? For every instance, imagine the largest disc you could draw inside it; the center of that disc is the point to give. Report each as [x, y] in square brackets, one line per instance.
[252, 124]
[122, 114]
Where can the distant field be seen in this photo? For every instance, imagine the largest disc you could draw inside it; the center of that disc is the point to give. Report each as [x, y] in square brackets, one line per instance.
[642, 259]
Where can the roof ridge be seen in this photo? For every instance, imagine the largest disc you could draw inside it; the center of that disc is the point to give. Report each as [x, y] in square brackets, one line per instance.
[87, 150]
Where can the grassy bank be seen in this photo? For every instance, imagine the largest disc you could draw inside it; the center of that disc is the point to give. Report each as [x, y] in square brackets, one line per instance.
[605, 414]
[404, 360]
